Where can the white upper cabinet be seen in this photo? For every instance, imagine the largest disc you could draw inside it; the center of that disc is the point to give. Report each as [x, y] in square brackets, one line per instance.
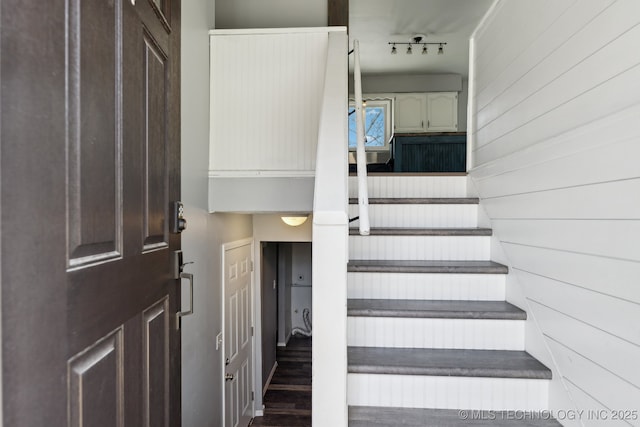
[411, 112]
[442, 112]
[426, 112]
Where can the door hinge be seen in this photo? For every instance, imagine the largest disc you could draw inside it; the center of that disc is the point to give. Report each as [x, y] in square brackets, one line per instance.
[252, 396]
[252, 331]
[251, 265]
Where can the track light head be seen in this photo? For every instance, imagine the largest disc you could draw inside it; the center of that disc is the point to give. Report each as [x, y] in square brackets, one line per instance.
[440, 49]
[409, 51]
[424, 49]
[393, 49]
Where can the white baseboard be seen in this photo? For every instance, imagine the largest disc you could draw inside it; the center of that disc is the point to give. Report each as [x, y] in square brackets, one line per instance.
[266, 385]
[286, 341]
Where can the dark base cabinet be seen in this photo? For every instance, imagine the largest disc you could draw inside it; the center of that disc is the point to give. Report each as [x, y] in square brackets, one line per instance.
[441, 152]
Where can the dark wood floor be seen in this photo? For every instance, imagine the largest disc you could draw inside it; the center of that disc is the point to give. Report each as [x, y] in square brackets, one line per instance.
[288, 399]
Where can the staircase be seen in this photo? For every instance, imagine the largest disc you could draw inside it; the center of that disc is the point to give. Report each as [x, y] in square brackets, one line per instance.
[432, 341]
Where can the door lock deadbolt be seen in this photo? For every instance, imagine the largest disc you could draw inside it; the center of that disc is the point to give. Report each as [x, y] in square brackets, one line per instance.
[178, 222]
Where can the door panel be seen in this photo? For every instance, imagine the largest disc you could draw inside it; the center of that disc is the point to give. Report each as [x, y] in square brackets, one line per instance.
[93, 137]
[238, 337]
[155, 150]
[96, 384]
[90, 163]
[156, 364]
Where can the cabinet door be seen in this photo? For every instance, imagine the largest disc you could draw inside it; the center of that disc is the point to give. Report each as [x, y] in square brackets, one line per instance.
[442, 111]
[411, 112]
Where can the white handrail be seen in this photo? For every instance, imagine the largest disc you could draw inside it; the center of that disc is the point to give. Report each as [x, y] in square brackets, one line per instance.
[361, 161]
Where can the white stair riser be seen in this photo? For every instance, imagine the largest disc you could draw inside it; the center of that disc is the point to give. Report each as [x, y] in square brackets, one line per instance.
[420, 391]
[438, 286]
[412, 186]
[474, 334]
[425, 216]
[419, 247]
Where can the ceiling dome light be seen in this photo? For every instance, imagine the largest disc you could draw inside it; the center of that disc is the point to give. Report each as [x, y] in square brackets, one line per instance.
[294, 221]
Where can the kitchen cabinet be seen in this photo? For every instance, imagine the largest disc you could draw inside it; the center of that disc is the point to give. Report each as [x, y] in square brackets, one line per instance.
[426, 112]
[442, 112]
[411, 112]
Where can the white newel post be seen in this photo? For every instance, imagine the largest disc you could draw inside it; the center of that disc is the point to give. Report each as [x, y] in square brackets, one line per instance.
[330, 252]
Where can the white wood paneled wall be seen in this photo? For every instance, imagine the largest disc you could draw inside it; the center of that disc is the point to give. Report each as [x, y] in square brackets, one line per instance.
[412, 186]
[266, 94]
[423, 391]
[470, 248]
[403, 332]
[419, 215]
[482, 287]
[556, 149]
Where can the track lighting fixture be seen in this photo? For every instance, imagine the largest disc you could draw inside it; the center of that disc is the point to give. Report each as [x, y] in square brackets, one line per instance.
[417, 40]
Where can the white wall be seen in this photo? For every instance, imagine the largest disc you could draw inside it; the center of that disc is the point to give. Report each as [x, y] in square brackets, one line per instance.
[266, 95]
[301, 282]
[265, 100]
[382, 83]
[555, 153]
[270, 14]
[201, 363]
[284, 293]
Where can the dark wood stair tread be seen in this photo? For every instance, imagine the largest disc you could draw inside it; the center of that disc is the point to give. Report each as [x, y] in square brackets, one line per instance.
[419, 201]
[402, 231]
[372, 416]
[446, 362]
[434, 309]
[424, 266]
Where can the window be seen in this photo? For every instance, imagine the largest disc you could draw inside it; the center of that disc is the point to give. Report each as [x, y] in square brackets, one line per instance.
[377, 125]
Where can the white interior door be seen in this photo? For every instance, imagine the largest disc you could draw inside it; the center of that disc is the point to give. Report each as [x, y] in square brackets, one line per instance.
[238, 377]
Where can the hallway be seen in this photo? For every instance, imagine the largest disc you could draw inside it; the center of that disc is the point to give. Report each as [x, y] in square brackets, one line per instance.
[288, 398]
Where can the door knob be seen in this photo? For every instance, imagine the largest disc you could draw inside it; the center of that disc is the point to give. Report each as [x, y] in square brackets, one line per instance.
[228, 377]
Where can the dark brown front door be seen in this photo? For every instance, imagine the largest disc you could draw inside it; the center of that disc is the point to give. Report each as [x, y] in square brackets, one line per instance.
[89, 129]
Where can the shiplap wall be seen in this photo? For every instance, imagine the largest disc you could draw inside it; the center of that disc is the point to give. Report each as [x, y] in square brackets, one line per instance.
[266, 91]
[556, 150]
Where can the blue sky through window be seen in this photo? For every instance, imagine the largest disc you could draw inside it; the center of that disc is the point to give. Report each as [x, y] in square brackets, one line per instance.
[373, 127]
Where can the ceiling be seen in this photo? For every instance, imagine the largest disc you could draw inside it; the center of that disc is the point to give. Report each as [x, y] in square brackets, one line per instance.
[376, 22]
